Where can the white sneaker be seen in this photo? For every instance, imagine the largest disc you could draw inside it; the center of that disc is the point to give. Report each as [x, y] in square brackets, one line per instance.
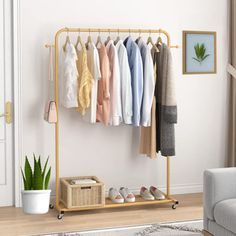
[115, 196]
[127, 194]
[146, 195]
[157, 193]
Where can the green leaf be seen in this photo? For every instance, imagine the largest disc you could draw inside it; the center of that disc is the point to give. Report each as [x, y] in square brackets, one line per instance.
[44, 169]
[28, 173]
[205, 56]
[196, 59]
[26, 187]
[37, 178]
[39, 163]
[45, 166]
[200, 51]
[47, 178]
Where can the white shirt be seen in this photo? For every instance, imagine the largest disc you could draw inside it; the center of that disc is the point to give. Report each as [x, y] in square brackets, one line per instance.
[94, 68]
[125, 80]
[68, 77]
[115, 93]
[148, 83]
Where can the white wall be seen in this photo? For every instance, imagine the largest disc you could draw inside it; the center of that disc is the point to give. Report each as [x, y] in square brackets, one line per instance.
[112, 153]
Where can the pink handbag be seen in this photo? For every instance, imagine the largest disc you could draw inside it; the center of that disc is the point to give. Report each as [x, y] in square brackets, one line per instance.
[50, 113]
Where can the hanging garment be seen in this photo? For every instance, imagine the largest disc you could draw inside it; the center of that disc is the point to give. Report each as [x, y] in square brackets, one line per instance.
[148, 134]
[125, 80]
[94, 68]
[166, 111]
[115, 105]
[68, 77]
[50, 113]
[85, 81]
[103, 99]
[136, 69]
[148, 83]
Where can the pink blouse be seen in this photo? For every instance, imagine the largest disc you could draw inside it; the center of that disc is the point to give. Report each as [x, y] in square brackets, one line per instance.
[103, 98]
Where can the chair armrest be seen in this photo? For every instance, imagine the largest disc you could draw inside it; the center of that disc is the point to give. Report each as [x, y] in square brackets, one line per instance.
[219, 184]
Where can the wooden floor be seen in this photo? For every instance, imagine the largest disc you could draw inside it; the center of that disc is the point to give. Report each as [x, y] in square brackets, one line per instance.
[14, 223]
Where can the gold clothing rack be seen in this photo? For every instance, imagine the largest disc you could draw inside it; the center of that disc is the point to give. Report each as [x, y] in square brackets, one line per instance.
[139, 201]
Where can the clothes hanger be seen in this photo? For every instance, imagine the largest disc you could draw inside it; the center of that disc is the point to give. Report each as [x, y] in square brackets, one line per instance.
[159, 40]
[139, 37]
[108, 38]
[89, 39]
[99, 40]
[118, 37]
[79, 41]
[149, 40]
[67, 41]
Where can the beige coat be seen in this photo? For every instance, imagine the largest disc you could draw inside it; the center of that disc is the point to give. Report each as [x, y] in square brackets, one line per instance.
[148, 134]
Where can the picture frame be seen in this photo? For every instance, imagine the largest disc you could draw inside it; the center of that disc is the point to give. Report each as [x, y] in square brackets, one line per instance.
[199, 52]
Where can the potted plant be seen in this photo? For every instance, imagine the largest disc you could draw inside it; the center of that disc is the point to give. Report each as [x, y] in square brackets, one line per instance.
[36, 195]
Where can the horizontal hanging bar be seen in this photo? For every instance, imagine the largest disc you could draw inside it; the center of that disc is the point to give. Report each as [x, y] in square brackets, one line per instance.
[117, 30]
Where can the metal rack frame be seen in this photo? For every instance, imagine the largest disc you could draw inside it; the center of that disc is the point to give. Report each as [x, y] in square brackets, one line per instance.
[59, 206]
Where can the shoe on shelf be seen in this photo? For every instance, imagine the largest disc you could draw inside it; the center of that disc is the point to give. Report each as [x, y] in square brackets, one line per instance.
[127, 194]
[156, 193]
[115, 196]
[146, 195]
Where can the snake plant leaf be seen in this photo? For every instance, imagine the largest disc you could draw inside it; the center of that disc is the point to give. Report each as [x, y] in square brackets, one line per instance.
[28, 174]
[37, 178]
[47, 178]
[26, 187]
[39, 163]
[44, 169]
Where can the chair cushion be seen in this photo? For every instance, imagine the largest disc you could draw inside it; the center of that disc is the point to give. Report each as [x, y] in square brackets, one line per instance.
[225, 214]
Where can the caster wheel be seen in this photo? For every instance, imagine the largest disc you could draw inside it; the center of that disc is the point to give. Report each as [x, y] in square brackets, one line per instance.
[51, 206]
[60, 216]
[174, 206]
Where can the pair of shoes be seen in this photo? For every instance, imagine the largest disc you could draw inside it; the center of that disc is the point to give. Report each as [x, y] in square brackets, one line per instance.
[151, 194]
[124, 195]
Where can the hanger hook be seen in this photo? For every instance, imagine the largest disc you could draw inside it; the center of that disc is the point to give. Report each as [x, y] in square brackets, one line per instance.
[149, 33]
[109, 32]
[139, 32]
[79, 32]
[99, 32]
[67, 31]
[89, 31]
[118, 32]
[129, 32]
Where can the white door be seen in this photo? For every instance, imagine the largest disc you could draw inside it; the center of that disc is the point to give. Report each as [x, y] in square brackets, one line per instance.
[6, 139]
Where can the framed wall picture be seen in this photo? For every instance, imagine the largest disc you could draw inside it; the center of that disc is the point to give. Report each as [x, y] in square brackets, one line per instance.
[199, 52]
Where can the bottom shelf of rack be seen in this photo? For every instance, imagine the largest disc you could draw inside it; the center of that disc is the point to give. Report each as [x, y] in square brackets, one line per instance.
[139, 201]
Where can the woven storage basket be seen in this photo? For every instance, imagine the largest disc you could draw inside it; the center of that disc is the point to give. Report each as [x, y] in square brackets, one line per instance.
[82, 195]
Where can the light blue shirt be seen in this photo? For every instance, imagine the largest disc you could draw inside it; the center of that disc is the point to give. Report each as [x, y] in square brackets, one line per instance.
[148, 82]
[136, 69]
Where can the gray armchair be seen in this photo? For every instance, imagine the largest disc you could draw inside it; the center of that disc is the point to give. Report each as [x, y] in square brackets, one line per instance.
[219, 201]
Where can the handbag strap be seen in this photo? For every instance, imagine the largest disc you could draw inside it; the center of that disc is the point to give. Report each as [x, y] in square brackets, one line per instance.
[50, 66]
[50, 75]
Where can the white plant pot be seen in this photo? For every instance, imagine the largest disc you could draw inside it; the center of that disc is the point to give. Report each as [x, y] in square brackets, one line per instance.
[35, 201]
